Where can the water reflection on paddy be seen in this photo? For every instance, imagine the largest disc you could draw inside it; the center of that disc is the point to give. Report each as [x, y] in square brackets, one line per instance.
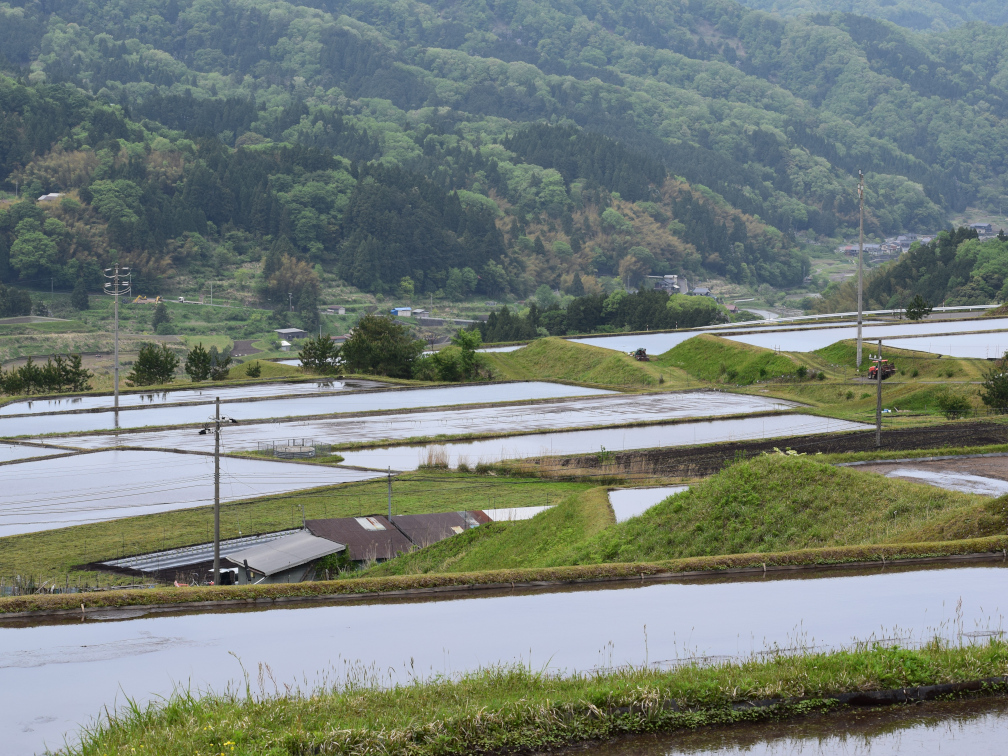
[65, 674]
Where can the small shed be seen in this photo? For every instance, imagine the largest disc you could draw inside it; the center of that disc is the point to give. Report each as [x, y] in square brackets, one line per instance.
[290, 559]
[291, 333]
[367, 539]
[51, 197]
[285, 346]
[402, 312]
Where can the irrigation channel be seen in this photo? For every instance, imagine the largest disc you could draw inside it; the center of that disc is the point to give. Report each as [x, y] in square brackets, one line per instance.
[64, 674]
[931, 336]
[610, 409]
[977, 727]
[302, 406]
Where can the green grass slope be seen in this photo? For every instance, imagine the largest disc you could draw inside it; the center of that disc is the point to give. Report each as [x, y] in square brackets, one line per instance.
[780, 503]
[715, 359]
[543, 541]
[928, 367]
[557, 359]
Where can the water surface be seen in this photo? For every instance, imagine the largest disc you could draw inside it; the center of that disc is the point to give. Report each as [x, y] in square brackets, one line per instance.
[205, 394]
[611, 409]
[805, 337]
[600, 440]
[631, 502]
[332, 403]
[52, 493]
[969, 727]
[65, 674]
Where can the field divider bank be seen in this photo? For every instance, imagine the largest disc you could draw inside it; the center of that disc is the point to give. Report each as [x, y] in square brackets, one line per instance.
[866, 557]
[506, 709]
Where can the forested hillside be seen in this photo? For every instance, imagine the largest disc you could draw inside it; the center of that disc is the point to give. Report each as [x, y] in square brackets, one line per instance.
[957, 268]
[493, 148]
[934, 15]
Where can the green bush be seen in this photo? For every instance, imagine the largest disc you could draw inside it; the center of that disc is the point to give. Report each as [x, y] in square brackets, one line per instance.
[253, 369]
[154, 365]
[197, 363]
[952, 405]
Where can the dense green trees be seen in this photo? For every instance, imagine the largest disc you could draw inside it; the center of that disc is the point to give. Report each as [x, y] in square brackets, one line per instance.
[58, 375]
[641, 311]
[380, 345]
[382, 147]
[154, 365]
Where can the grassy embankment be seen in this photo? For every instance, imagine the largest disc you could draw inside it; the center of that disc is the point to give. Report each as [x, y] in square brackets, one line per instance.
[557, 359]
[52, 554]
[768, 504]
[507, 709]
[843, 393]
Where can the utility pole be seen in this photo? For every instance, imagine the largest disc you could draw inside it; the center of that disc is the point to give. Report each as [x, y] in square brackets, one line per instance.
[878, 399]
[216, 494]
[217, 421]
[290, 300]
[390, 494]
[860, 266]
[117, 285]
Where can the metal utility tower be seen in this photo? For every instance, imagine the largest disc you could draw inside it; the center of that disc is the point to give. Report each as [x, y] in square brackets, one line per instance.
[860, 266]
[119, 283]
[217, 420]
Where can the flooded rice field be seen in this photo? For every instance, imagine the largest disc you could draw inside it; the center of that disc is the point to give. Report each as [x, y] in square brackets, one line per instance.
[600, 440]
[970, 727]
[982, 346]
[204, 395]
[630, 502]
[66, 673]
[331, 403]
[991, 330]
[12, 452]
[807, 337]
[111, 484]
[610, 409]
[986, 475]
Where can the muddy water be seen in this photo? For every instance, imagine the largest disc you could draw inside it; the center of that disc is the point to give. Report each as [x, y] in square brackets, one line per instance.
[972, 727]
[293, 407]
[111, 484]
[568, 413]
[65, 674]
[631, 502]
[590, 441]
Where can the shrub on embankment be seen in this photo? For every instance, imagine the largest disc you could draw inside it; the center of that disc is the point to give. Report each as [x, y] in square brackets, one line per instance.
[506, 709]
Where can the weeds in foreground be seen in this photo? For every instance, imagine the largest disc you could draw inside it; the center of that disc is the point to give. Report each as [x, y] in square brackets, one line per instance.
[370, 711]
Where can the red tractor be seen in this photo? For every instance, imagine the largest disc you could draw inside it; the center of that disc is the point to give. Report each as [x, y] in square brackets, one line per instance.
[887, 370]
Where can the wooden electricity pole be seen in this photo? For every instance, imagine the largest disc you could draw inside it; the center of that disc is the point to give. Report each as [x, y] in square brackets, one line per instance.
[878, 399]
[860, 267]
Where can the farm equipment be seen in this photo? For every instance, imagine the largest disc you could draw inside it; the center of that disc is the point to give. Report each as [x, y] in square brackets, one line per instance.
[640, 355]
[887, 369]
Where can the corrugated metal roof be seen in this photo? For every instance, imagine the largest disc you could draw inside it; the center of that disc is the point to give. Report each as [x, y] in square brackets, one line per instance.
[283, 553]
[191, 555]
[362, 543]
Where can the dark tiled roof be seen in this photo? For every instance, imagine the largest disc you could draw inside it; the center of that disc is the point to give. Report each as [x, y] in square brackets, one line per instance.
[371, 537]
